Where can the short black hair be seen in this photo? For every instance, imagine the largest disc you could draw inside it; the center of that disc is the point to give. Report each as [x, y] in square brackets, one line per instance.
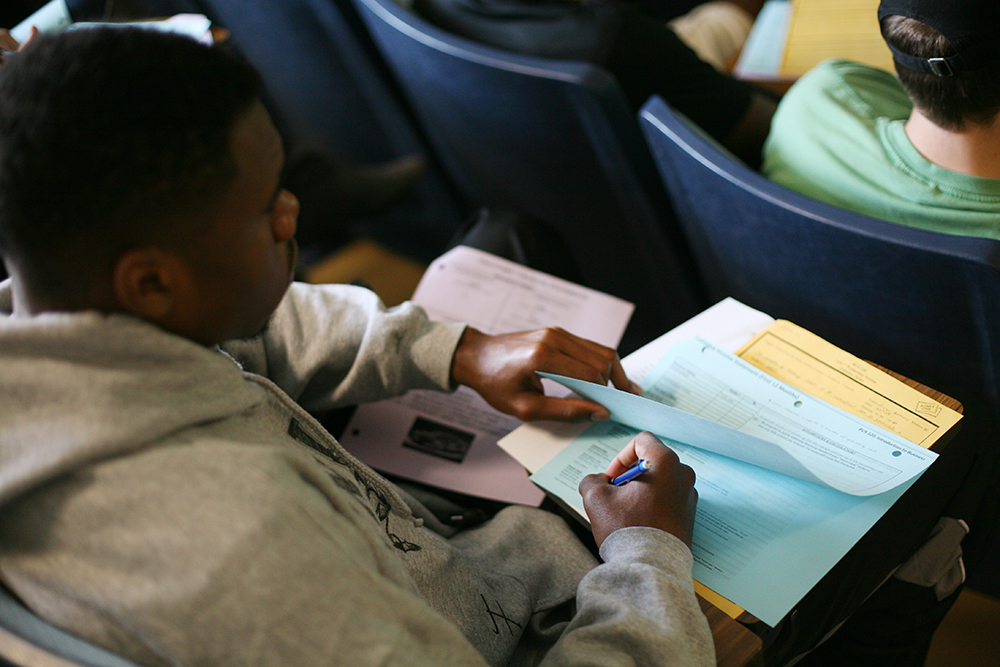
[951, 102]
[111, 138]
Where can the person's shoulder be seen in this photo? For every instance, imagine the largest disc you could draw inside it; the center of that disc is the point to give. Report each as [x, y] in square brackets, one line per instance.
[831, 112]
[836, 72]
[849, 68]
[877, 90]
[836, 86]
[860, 75]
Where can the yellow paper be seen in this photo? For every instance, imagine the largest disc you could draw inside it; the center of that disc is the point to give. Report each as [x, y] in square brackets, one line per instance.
[807, 362]
[821, 29]
[730, 609]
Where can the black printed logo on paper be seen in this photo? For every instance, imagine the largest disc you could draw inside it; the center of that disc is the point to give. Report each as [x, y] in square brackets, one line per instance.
[437, 439]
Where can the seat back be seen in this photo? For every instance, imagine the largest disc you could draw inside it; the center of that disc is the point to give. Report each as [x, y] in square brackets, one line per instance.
[924, 304]
[28, 641]
[556, 141]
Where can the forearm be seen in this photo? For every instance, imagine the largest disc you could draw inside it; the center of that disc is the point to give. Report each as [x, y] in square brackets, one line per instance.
[339, 345]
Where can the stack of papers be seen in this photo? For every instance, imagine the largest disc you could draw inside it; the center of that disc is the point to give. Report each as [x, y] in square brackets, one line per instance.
[795, 462]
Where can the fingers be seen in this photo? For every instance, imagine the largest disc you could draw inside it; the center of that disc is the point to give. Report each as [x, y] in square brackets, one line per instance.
[624, 459]
[503, 369]
[584, 359]
[576, 357]
[664, 497]
[643, 446]
[537, 406]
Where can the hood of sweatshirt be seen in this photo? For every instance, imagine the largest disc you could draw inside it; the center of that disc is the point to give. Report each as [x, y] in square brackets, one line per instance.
[79, 387]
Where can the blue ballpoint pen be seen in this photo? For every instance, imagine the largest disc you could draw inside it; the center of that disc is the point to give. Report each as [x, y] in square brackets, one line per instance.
[642, 466]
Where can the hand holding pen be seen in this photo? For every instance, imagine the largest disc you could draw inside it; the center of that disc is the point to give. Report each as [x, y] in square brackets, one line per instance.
[661, 494]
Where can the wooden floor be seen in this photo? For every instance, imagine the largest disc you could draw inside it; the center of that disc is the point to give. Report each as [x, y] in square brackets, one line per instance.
[969, 635]
[387, 273]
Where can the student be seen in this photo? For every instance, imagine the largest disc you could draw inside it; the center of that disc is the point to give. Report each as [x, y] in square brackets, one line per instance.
[919, 150]
[633, 42]
[163, 491]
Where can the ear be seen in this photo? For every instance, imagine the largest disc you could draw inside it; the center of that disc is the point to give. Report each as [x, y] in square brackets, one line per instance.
[146, 282]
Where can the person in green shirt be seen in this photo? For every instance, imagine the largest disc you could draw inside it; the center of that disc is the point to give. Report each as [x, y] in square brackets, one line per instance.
[920, 149]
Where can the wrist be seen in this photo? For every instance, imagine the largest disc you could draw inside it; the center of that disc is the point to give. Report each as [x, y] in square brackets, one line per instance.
[466, 359]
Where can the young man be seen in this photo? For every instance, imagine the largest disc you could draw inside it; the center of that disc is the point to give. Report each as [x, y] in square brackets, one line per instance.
[164, 491]
[919, 150]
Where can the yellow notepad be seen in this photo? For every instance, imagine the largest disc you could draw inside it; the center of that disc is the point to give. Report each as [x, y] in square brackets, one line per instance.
[821, 29]
[807, 362]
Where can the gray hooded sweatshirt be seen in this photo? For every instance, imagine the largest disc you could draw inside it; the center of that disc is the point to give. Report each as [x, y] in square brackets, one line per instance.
[178, 505]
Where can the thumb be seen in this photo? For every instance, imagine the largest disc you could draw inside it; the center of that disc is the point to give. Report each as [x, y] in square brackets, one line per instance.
[570, 409]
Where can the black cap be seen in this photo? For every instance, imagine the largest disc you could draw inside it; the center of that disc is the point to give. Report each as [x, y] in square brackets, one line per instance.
[972, 28]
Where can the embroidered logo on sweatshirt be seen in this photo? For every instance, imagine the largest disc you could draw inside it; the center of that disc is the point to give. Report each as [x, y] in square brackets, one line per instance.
[296, 431]
[382, 514]
[379, 504]
[494, 615]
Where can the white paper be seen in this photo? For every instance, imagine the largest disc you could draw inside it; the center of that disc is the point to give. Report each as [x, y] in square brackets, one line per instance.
[765, 45]
[54, 17]
[51, 17]
[729, 324]
[450, 440]
[196, 26]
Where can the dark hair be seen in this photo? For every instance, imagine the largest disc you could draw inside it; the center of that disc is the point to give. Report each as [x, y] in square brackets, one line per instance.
[951, 102]
[111, 138]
